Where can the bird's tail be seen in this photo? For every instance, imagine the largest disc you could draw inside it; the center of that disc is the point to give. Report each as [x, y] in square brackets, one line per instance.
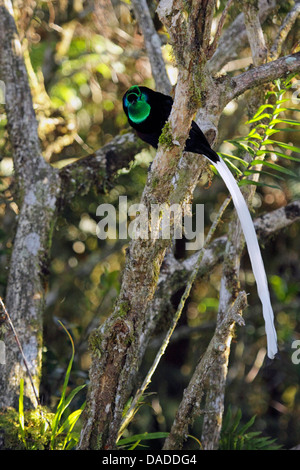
[254, 253]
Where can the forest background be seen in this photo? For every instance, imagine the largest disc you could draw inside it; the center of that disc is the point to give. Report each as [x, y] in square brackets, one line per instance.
[80, 58]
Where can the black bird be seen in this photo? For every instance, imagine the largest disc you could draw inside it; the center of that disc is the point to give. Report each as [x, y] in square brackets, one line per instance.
[147, 112]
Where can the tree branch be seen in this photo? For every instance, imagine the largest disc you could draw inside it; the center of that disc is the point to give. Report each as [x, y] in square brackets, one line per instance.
[213, 46]
[100, 167]
[264, 73]
[235, 37]
[284, 30]
[153, 46]
[190, 406]
[254, 32]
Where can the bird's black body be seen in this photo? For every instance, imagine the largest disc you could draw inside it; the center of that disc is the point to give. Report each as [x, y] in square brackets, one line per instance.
[150, 129]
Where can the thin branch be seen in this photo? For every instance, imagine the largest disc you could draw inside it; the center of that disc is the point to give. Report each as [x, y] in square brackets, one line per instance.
[153, 46]
[264, 73]
[214, 45]
[254, 32]
[190, 406]
[8, 319]
[235, 37]
[284, 30]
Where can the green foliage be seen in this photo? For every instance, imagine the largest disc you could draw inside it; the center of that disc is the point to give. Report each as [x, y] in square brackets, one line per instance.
[236, 436]
[259, 144]
[71, 438]
[132, 442]
[32, 432]
[40, 429]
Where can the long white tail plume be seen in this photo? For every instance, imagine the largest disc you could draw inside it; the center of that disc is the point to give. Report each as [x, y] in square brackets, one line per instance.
[254, 253]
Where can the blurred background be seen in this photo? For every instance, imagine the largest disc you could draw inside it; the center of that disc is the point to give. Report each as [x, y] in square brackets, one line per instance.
[80, 63]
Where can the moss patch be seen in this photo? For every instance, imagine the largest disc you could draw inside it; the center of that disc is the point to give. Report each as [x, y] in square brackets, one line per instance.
[37, 425]
[166, 138]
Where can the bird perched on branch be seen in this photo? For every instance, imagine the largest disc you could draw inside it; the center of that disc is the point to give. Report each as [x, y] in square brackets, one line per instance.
[147, 112]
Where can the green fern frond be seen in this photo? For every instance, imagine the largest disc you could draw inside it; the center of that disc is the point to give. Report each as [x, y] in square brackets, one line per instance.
[258, 143]
[234, 435]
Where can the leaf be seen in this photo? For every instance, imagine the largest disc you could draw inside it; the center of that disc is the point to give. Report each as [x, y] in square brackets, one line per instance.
[287, 146]
[254, 134]
[259, 118]
[142, 437]
[259, 112]
[21, 413]
[134, 445]
[237, 420]
[72, 443]
[234, 157]
[238, 172]
[293, 109]
[288, 129]
[253, 142]
[280, 154]
[248, 425]
[278, 111]
[70, 421]
[234, 436]
[71, 396]
[284, 100]
[285, 121]
[253, 172]
[61, 405]
[246, 181]
[66, 404]
[268, 142]
[274, 166]
[241, 146]
[270, 93]
[227, 419]
[271, 131]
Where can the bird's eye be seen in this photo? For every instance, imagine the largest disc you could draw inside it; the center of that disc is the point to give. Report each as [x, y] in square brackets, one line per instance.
[132, 97]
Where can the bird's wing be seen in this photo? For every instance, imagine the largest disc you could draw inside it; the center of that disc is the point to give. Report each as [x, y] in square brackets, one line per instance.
[151, 139]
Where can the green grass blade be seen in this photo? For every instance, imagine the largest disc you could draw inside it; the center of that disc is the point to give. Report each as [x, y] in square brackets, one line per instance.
[142, 437]
[21, 413]
[61, 404]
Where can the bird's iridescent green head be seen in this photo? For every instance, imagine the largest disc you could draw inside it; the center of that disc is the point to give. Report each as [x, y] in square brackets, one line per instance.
[135, 101]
